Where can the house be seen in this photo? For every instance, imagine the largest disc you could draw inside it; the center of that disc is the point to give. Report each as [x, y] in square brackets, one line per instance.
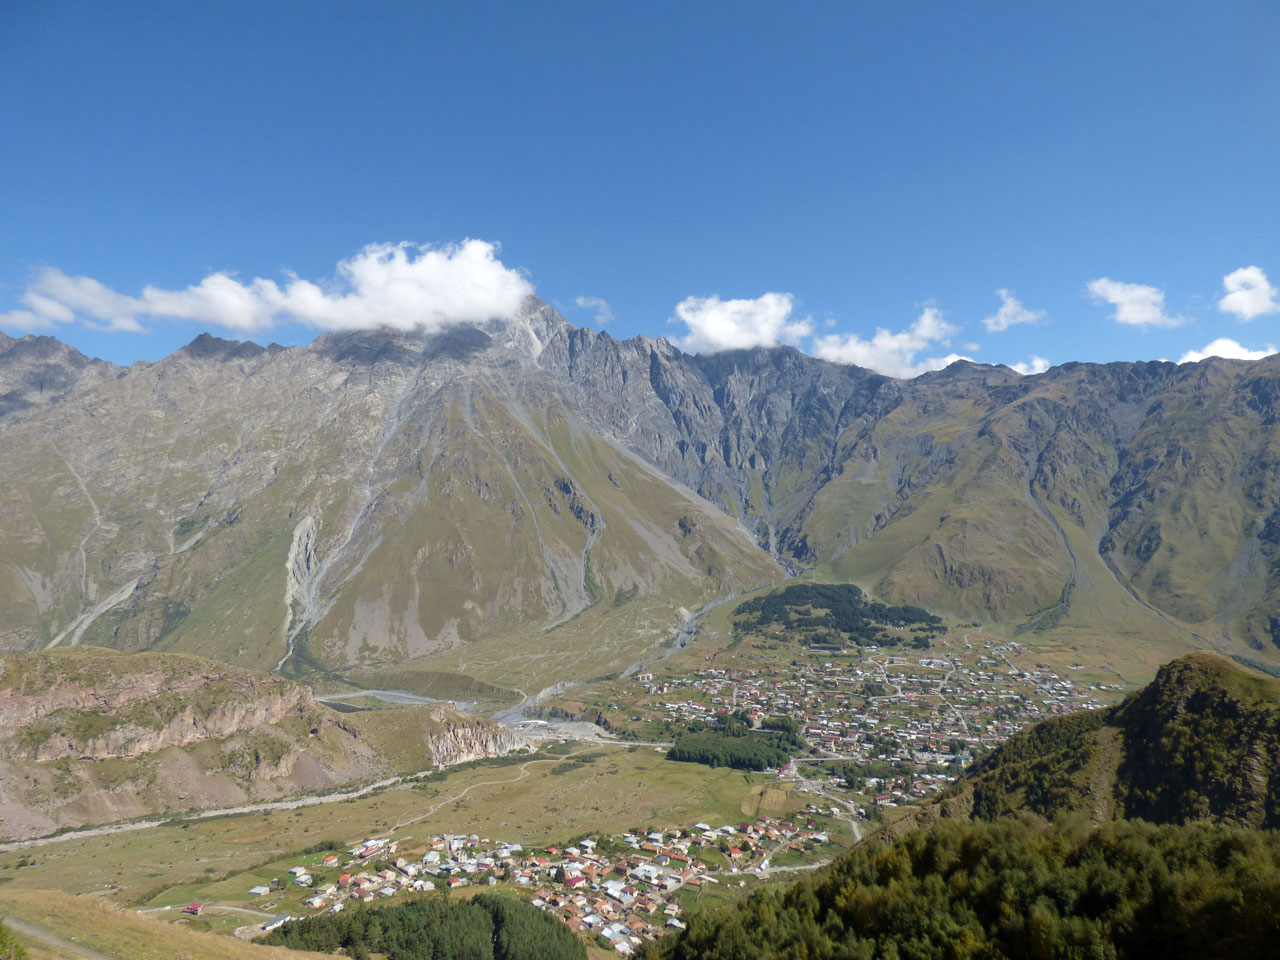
[259, 891]
[276, 922]
[193, 909]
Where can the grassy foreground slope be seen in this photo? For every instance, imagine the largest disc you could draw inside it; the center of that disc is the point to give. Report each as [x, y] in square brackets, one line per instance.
[99, 926]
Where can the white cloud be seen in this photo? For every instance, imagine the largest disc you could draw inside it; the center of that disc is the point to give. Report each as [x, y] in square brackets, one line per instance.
[1011, 313]
[53, 298]
[1249, 294]
[1228, 349]
[603, 312]
[399, 285]
[893, 354]
[1136, 304]
[716, 324]
[1032, 366]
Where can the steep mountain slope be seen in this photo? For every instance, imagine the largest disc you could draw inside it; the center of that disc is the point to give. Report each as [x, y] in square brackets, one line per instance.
[90, 735]
[373, 498]
[531, 502]
[1198, 743]
[973, 490]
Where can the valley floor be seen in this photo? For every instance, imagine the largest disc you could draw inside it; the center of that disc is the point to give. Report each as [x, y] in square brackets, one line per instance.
[882, 715]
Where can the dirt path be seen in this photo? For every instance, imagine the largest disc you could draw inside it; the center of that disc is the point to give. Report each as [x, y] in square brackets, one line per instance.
[50, 939]
[524, 772]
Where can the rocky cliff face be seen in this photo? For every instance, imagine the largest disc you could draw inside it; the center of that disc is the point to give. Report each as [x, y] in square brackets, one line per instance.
[89, 735]
[549, 496]
[98, 706]
[461, 739]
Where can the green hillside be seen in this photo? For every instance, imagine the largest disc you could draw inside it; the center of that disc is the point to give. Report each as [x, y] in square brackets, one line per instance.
[1198, 743]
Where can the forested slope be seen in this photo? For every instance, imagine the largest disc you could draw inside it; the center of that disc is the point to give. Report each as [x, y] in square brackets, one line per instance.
[1199, 742]
[1016, 889]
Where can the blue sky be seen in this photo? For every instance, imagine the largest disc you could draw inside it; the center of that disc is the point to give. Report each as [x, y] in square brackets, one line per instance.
[722, 174]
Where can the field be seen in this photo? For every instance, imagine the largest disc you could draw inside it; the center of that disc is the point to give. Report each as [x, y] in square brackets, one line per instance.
[174, 864]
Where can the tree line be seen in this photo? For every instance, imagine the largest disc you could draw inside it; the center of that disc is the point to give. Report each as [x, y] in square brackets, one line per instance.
[833, 613]
[487, 927]
[745, 752]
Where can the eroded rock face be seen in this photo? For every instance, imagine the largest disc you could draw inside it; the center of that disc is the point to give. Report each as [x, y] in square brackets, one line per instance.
[88, 736]
[103, 706]
[463, 740]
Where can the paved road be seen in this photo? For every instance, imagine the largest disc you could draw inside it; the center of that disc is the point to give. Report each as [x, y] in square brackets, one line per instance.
[32, 932]
[773, 871]
[955, 668]
[227, 908]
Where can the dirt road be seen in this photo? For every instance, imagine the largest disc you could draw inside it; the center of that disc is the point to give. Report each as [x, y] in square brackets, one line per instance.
[32, 932]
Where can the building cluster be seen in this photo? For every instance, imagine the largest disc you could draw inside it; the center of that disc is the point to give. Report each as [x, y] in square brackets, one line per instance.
[927, 712]
[625, 889]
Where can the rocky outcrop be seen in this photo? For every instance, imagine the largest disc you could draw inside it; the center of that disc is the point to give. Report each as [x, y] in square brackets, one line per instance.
[35, 371]
[461, 740]
[88, 736]
[97, 706]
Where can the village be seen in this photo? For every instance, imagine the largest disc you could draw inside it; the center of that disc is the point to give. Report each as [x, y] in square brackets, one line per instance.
[623, 889]
[892, 725]
[882, 728]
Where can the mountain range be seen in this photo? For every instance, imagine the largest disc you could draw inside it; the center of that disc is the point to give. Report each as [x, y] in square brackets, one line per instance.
[529, 502]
